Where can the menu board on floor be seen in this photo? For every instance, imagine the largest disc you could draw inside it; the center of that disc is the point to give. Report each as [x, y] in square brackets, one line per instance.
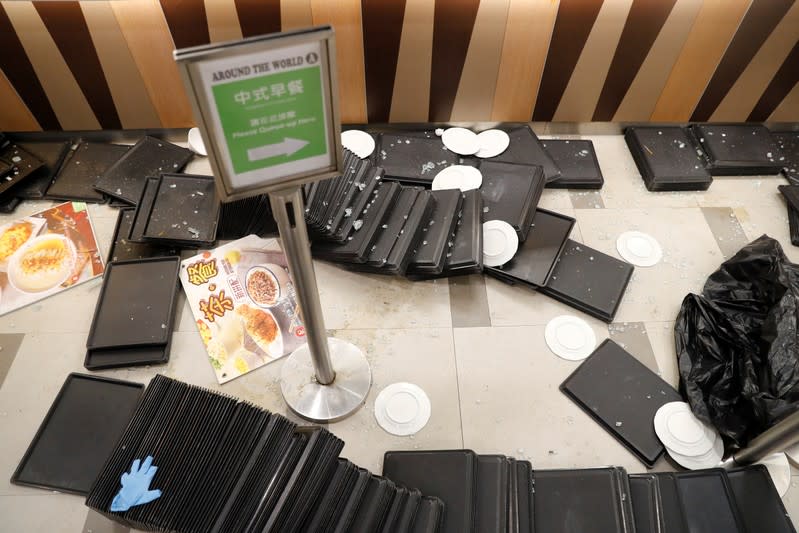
[46, 253]
[243, 301]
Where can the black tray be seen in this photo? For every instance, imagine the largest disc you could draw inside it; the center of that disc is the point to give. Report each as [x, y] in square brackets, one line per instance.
[52, 154]
[739, 149]
[511, 193]
[667, 158]
[579, 168]
[83, 165]
[447, 474]
[148, 157]
[378, 255]
[536, 257]
[788, 141]
[356, 249]
[409, 511]
[430, 516]
[122, 248]
[374, 505]
[793, 225]
[183, 203]
[143, 206]
[430, 254]
[412, 157]
[645, 496]
[20, 165]
[136, 306]
[708, 502]
[411, 234]
[622, 395]
[586, 500]
[491, 512]
[671, 511]
[465, 256]
[9, 204]
[525, 148]
[79, 431]
[524, 503]
[758, 501]
[589, 280]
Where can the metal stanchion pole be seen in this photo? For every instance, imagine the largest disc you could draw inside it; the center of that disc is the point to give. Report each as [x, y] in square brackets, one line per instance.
[326, 379]
[774, 439]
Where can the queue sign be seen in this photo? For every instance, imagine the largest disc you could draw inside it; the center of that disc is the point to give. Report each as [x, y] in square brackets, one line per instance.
[268, 109]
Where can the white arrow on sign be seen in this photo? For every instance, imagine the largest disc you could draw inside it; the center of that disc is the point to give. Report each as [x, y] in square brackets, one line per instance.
[287, 147]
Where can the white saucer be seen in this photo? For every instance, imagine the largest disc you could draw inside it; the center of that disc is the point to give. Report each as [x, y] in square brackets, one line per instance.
[402, 409]
[196, 143]
[779, 470]
[570, 338]
[359, 142]
[711, 459]
[461, 177]
[461, 141]
[681, 432]
[500, 243]
[639, 249]
[492, 143]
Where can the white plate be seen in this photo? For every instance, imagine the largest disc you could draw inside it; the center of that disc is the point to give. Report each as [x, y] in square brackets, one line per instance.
[779, 470]
[680, 431]
[711, 459]
[570, 338]
[793, 454]
[402, 409]
[461, 177]
[196, 142]
[500, 243]
[492, 143]
[461, 141]
[359, 142]
[639, 249]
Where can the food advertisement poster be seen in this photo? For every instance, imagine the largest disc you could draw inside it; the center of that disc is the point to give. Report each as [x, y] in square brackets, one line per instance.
[244, 305]
[46, 253]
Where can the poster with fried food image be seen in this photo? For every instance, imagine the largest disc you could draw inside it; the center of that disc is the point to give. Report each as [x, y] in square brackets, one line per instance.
[46, 253]
[243, 301]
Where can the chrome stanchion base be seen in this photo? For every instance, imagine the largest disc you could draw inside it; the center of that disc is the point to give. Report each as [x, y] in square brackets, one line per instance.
[326, 403]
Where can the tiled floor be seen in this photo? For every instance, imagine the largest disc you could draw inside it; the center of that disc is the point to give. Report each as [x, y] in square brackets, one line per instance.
[475, 345]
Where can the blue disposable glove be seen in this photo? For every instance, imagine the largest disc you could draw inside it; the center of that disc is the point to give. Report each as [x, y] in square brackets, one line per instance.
[135, 486]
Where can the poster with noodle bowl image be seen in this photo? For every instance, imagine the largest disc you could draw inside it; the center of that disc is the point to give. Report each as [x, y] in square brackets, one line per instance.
[243, 302]
[46, 253]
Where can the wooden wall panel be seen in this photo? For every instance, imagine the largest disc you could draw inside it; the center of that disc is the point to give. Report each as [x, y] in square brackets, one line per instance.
[345, 17]
[524, 53]
[223, 20]
[147, 34]
[15, 116]
[410, 99]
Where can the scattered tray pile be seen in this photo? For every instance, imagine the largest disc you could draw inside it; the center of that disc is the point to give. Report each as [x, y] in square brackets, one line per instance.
[226, 465]
[494, 493]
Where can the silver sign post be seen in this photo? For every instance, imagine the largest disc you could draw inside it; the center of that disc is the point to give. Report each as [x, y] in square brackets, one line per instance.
[267, 109]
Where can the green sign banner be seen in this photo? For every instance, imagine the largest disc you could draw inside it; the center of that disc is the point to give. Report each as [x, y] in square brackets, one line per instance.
[272, 119]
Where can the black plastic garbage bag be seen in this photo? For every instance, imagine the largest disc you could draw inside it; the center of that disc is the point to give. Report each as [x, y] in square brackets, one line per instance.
[737, 343]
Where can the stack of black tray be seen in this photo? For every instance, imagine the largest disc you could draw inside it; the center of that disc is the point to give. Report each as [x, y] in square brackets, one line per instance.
[225, 465]
[739, 149]
[525, 148]
[788, 142]
[244, 217]
[52, 154]
[376, 225]
[412, 157]
[579, 167]
[668, 158]
[17, 166]
[135, 314]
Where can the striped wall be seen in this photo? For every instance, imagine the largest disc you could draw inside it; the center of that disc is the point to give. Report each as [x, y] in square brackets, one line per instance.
[108, 64]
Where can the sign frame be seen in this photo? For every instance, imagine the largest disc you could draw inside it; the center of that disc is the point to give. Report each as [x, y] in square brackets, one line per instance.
[204, 106]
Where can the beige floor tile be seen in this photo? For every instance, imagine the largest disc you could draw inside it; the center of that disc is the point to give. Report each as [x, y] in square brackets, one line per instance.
[624, 187]
[655, 293]
[661, 335]
[511, 404]
[54, 513]
[757, 220]
[515, 305]
[555, 200]
[424, 357]
[352, 300]
[738, 191]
